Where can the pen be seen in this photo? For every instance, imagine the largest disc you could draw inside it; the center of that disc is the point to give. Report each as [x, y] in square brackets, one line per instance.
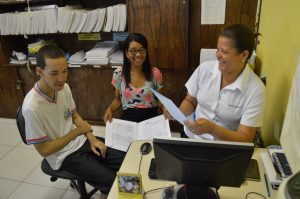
[267, 186]
[194, 116]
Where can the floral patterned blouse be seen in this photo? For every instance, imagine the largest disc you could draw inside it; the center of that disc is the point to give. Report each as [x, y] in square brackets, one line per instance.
[137, 97]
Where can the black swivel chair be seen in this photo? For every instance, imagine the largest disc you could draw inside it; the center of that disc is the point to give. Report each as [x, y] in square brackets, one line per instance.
[75, 181]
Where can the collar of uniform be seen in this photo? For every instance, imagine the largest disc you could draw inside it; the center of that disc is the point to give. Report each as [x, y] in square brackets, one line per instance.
[214, 70]
[41, 93]
[241, 82]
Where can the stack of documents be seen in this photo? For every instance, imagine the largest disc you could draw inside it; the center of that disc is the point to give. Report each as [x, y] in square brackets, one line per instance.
[78, 58]
[116, 18]
[34, 22]
[18, 58]
[69, 19]
[116, 58]
[100, 52]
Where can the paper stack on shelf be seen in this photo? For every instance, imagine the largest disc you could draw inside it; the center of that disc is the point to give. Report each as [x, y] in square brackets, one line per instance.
[91, 21]
[100, 52]
[116, 58]
[116, 18]
[18, 58]
[109, 19]
[123, 17]
[101, 19]
[68, 19]
[78, 58]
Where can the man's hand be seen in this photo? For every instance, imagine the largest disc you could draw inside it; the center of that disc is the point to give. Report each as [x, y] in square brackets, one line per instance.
[98, 147]
[200, 126]
[84, 127]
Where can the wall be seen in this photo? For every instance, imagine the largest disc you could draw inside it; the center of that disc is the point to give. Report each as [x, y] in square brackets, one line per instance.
[278, 53]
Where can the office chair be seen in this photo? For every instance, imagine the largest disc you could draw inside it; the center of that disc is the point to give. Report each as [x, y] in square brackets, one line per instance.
[75, 181]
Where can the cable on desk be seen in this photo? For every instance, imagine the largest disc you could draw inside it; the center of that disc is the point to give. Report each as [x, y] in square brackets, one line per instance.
[140, 164]
[153, 190]
[249, 193]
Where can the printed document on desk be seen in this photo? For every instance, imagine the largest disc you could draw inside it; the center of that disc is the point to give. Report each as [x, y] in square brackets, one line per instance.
[120, 133]
[171, 107]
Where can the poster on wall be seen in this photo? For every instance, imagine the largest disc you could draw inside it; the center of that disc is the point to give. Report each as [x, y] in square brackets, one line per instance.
[213, 11]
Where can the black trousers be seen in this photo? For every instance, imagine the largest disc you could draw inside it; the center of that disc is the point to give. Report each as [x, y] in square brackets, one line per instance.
[96, 170]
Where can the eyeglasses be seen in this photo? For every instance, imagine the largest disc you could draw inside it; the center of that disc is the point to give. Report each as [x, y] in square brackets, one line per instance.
[142, 51]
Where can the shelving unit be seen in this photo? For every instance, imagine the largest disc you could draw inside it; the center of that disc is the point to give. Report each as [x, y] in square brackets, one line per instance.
[175, 37]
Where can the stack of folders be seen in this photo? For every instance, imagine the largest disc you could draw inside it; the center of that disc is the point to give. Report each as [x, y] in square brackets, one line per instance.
[77, 59]
[99, 54]
[116, 58]
[68, 19]
[41, 20]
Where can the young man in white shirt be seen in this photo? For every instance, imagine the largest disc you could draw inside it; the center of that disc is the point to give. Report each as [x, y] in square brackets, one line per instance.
[50, 112]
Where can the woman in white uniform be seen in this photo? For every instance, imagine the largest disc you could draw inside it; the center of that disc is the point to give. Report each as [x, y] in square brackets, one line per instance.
[225, 96]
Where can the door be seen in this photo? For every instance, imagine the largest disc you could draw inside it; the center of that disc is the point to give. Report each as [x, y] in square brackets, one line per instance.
[11, 91]
[165, 24]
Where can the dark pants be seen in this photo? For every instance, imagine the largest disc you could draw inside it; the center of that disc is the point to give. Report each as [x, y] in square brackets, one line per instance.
[138, 114]
[98, 171]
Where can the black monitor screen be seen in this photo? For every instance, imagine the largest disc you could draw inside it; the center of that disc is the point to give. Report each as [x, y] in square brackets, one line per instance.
[202, 162]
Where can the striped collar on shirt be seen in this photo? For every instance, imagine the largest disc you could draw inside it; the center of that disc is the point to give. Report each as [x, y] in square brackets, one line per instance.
[46, 97]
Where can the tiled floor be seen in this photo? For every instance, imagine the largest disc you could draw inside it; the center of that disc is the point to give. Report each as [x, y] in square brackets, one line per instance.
[20, 172]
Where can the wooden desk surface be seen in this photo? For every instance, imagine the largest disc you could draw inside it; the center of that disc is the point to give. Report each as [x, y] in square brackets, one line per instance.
[131, 165]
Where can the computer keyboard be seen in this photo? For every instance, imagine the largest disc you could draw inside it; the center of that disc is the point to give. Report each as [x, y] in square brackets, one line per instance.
[152, 170]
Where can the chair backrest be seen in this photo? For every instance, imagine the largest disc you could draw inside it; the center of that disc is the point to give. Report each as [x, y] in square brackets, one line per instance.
[21, 124]
[207, 54]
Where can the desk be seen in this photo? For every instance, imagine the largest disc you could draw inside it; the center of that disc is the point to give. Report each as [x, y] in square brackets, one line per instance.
[131, 165]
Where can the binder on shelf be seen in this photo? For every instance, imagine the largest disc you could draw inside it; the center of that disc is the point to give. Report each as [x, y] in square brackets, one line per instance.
[69, 19]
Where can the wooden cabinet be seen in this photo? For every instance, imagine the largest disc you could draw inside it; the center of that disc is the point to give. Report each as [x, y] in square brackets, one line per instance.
[92, 91]
[11, 91]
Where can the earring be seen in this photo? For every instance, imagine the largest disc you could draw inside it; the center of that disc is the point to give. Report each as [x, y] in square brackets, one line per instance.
[243, 60]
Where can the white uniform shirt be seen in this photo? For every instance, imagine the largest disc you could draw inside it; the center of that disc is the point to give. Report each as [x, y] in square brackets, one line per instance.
[48, 119]
[241, 102]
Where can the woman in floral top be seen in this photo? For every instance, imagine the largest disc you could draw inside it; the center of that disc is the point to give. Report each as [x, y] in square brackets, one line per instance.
[133, 82]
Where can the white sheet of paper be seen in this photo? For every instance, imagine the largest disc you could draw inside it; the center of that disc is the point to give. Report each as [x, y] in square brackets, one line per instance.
[154, 127]
[120, 133]
[171, 107]
[213, 11]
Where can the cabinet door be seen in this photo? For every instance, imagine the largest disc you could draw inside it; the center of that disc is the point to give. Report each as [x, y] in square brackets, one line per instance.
[165, 24]
[92, 91]
[11, 91]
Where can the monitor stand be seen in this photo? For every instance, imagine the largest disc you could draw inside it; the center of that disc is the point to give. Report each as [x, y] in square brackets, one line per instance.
[196, 192]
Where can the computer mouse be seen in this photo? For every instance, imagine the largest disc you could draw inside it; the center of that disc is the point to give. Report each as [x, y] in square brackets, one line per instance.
[145, 148]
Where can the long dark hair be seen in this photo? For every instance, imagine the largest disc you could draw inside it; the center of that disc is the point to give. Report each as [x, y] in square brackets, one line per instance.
[141, 39]
[242, 37]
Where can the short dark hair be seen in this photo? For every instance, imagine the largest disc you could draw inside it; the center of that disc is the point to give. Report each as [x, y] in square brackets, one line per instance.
[48, 51]
[242, 37]
[141, 39]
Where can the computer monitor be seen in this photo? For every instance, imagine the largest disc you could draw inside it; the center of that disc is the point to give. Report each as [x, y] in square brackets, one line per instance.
[202, 162]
